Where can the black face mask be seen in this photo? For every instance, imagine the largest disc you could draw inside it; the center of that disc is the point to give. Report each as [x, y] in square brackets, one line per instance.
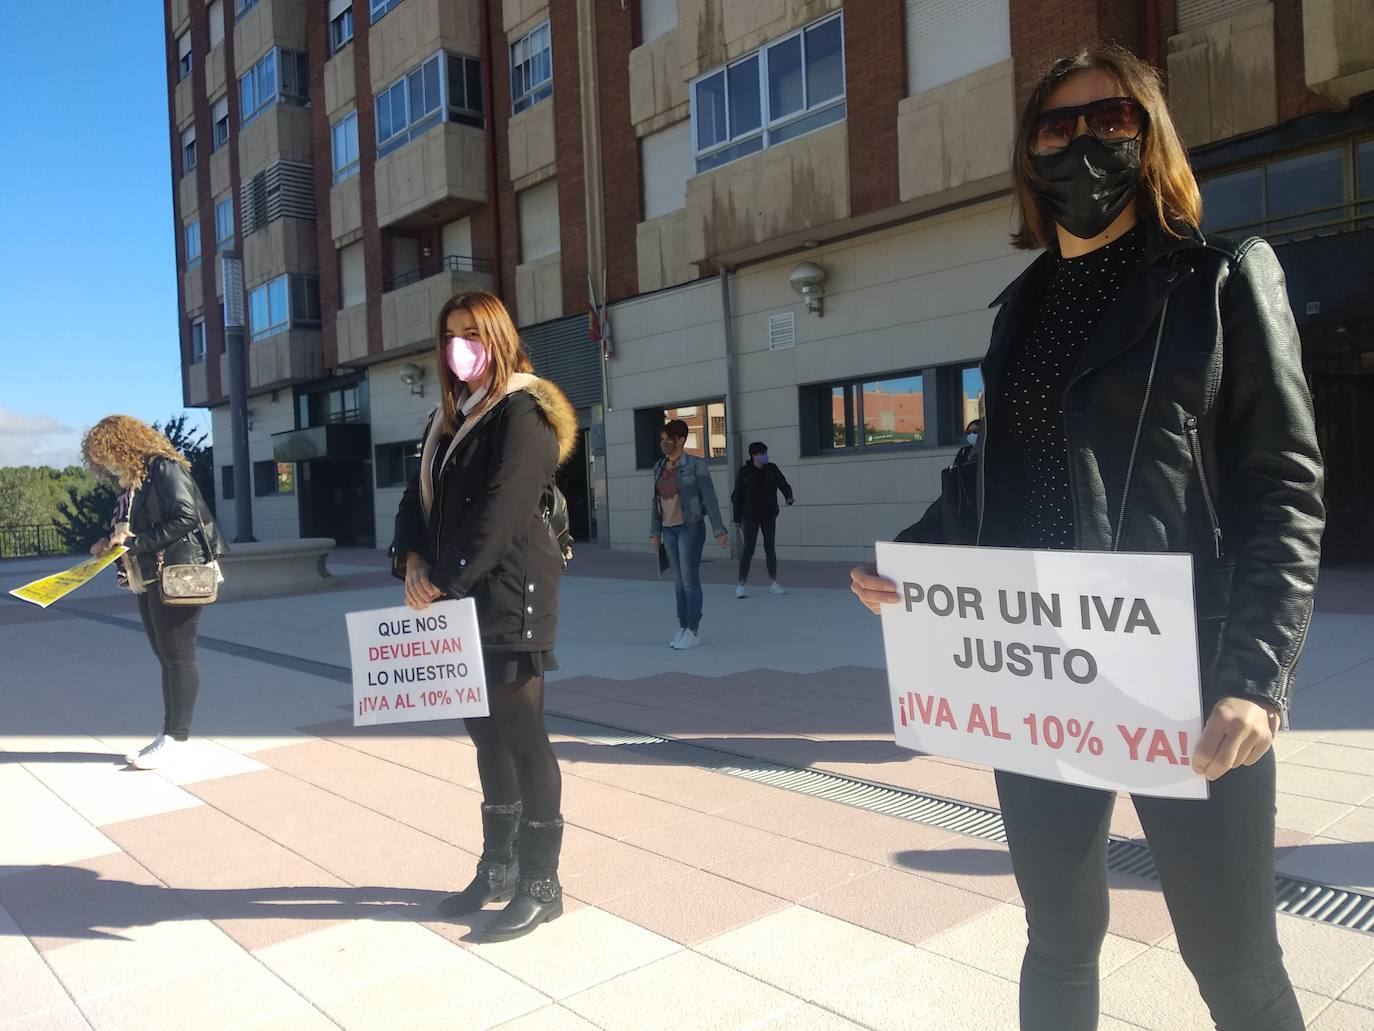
[1088, 183]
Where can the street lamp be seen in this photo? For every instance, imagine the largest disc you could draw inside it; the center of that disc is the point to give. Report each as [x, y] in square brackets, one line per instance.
[231, 271]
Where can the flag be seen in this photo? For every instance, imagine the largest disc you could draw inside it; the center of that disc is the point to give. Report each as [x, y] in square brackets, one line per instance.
[599, 323]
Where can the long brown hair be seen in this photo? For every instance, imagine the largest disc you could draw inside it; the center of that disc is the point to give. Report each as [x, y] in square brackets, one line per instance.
[507, 354]
[122, 445]
[1168, 191]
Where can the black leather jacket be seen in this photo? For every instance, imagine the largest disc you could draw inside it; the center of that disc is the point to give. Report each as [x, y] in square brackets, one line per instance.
[165, 516]
[1190, 429]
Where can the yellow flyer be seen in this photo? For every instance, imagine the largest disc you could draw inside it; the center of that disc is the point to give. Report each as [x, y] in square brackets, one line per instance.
[57, 586]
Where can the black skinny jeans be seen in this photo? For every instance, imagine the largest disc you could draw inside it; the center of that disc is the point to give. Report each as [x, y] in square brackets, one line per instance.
[172, 632]
[750, 530]
[515, 761]
[1216, 866]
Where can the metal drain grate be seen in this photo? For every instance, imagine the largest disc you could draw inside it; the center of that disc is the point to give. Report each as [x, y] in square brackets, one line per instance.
[1340, 907]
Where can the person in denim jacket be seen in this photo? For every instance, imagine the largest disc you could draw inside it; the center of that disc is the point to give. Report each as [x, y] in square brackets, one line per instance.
[684, 498]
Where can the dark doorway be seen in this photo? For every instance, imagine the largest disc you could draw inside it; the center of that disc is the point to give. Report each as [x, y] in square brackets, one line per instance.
[336, 501]
[575, 483]
[1342, 378]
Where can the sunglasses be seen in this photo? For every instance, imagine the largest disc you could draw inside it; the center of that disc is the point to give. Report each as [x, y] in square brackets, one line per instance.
[1113, 120]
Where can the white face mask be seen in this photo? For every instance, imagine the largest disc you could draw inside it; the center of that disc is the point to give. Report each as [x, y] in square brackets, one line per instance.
[972, 438]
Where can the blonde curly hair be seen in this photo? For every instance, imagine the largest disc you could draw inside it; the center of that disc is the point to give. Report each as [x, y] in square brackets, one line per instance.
[121, 445]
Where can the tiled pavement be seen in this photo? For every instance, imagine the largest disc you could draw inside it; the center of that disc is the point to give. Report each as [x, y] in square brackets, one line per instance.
[287, 878]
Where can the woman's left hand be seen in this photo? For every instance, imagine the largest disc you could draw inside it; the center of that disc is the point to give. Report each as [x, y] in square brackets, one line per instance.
[118, 537]
[723, 539]
[1238, 733]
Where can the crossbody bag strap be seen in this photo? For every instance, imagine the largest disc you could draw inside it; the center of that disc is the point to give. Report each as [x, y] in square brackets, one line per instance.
[155, 502]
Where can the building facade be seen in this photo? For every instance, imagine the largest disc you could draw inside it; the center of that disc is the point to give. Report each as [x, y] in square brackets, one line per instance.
[799, 212]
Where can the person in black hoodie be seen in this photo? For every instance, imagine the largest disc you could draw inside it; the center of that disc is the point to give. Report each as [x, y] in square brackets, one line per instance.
[472, 525]
[755, 502]
[160, 518]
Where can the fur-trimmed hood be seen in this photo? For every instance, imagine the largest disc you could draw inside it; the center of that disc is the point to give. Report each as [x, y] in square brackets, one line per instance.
[554, 406]
[552, 403]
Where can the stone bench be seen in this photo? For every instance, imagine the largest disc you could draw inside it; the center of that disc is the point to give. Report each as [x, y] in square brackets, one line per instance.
[276, 567]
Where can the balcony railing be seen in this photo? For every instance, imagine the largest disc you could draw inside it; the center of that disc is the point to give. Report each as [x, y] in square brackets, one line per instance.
[451, 263]
[30, 541]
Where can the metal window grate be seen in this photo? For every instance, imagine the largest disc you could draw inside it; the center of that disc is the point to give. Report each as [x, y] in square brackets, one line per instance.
[1340, 907]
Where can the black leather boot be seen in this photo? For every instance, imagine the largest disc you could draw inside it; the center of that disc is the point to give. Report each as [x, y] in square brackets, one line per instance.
[538, 895]
[497, 870]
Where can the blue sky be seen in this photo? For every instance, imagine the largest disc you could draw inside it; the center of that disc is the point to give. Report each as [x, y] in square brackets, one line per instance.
[88, 295]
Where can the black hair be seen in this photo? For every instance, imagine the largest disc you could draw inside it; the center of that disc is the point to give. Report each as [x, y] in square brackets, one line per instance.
[676, 430]
[758, 448]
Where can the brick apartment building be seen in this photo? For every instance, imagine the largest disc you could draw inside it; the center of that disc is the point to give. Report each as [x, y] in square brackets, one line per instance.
[700, 162]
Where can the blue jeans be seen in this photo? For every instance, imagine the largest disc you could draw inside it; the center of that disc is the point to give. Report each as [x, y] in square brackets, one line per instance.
[684, 545]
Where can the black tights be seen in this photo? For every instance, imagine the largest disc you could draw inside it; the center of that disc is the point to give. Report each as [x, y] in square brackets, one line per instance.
[515, 761]
[171, 631]
[1216, 866]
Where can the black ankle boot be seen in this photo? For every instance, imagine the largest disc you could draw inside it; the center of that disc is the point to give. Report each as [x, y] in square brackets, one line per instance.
[497, 870]
[538, 895]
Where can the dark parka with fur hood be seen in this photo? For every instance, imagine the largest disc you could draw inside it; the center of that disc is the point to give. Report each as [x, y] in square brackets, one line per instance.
[484, 535]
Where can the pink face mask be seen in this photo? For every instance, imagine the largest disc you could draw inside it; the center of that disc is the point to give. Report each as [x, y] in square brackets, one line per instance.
[466, 358]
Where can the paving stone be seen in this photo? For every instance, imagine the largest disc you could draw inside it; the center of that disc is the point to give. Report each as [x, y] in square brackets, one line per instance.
[925, 991]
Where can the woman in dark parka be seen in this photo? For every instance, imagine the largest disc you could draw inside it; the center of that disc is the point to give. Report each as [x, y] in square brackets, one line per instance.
[472, 525]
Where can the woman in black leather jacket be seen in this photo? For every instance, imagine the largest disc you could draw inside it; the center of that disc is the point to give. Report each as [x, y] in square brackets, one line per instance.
[471, 525]
[160, 517]
[1145, 392]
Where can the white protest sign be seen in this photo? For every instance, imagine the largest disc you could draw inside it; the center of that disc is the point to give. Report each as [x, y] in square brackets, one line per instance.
[410, 666]
[1078, 667]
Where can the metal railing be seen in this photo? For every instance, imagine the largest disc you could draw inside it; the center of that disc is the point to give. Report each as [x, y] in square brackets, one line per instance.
[1324, 221]
[451, 263]
[30, 541]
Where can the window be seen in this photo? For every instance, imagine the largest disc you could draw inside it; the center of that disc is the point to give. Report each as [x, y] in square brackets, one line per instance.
[284, 189]
[193, 243]
[447, 87]
[949, 39]
[656, 18]
[280, 303]
[791, 87]
[219, 116]
[197, 341]
[537, 209]
[344, 133]
[188, 150]
[705, 430]
[280, 75]
[244, 5]
[665, 166]
[891, 410]
[226, 482]
[216, 18]
[1304, 194]
[342, 404]
[341, 30]
[380, 7]
[183, 56]
[531, 69]
[398, 464]
[273, 478]
[224, 224]
[352, 275]
[1192, 14]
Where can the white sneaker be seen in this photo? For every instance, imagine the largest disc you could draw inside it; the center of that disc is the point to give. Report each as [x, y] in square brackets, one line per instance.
[154, 743]
[162, 753]
[740, 592]
[777, 589]
[677, 640]
[689, 640]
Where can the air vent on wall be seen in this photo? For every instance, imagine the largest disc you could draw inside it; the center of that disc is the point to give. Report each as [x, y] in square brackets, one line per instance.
[782, 331]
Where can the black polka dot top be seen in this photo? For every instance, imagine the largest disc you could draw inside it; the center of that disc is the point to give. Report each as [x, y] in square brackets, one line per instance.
[1079, 292]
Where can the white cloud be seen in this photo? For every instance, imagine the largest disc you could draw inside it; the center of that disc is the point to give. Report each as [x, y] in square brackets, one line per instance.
[37, 440]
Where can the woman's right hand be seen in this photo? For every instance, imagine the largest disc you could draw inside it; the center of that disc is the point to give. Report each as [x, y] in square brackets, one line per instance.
[101, 546]
[655, 541]
[872, 589]
[420, 590]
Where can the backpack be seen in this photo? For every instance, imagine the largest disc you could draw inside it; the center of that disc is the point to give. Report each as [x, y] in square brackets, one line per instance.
[553, 507]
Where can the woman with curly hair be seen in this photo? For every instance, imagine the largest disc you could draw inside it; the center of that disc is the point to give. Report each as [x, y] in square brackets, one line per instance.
[160, 517]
